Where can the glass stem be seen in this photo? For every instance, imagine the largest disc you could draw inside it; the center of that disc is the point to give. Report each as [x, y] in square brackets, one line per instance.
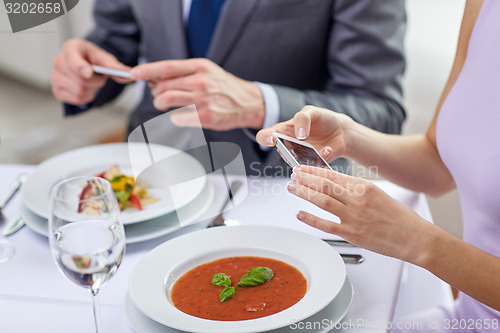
[97, 310]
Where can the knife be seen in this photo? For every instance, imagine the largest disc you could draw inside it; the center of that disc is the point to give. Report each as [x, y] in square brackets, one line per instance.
[352, 258]
[348, 258]
[339, 242]
[13, 226]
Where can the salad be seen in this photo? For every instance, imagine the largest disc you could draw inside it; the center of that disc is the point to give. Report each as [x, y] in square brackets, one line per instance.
[127, 192]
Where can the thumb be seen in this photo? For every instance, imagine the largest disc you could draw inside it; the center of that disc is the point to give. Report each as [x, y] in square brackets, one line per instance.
[98, 56]
[77, 59]
[103, 58]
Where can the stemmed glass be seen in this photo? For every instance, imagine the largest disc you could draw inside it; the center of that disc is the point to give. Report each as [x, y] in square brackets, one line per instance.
[86, 236]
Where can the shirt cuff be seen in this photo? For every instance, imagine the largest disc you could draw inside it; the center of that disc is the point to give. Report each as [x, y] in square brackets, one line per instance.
[272, 110]
[272, 104]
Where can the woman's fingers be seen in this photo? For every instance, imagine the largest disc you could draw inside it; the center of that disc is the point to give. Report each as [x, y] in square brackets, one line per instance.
[348, 182]
[326, 153]
[322, 185]
[319, 223]
[299, 126]
[265, 137]
[320, 199]
[302, 122]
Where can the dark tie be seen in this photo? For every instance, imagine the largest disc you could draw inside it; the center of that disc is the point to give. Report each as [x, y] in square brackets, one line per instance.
[201, 25]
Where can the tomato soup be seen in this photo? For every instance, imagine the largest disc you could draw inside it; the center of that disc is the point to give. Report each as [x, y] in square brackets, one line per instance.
[194, 294]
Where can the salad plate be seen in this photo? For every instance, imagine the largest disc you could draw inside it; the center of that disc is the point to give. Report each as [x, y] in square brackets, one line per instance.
[154, 276]
[176, 180]
[138, 232]
[328, 318]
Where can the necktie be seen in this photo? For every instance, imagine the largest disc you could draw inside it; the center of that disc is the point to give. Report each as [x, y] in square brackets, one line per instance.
[201, 25]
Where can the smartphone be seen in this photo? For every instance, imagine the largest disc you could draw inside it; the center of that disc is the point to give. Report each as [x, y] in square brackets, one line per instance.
[296, 152]
[111, 71]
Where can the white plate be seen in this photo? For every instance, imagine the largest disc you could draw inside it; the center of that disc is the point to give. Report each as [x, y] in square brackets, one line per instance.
[92, 160]
[328, 317]
[143, 231]
[153, 277]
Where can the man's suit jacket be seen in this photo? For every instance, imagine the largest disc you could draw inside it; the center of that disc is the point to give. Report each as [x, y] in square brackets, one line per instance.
[345, 55]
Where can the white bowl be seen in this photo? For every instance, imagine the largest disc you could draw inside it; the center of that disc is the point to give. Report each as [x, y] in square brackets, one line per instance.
[153, 277]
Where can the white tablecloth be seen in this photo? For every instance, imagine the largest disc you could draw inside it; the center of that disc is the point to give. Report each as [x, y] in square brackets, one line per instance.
[36, 297]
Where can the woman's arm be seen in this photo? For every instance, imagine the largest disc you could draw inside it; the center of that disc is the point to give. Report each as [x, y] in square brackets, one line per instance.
[413, 161]
[370, 218]
[463, 266]
[410, 161]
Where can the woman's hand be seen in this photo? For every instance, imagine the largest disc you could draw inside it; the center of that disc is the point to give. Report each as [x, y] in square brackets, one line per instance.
[369, 217]
[326, 130]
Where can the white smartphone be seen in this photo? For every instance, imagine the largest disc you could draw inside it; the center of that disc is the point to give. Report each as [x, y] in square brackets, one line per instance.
[111, 71]
[296, 152]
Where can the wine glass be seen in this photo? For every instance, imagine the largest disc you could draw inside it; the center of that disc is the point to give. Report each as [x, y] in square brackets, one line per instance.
[86, 236]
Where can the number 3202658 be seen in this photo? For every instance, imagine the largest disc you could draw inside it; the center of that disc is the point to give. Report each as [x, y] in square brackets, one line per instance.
[33, 8]
[472, 324]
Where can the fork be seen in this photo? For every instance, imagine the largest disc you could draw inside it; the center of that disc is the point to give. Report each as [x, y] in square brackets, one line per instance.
[12, 190]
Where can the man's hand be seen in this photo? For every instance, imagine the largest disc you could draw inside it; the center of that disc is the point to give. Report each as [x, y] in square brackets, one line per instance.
[73, 80]
[223, 101]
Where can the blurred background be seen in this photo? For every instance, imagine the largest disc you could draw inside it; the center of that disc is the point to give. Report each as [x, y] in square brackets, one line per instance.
[32, 126]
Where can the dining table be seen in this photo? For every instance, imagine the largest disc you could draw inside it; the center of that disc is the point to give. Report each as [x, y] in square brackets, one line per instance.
[36, 297]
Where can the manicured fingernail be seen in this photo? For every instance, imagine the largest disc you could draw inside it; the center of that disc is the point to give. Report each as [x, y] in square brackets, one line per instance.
[297, 169]
[326, 151]
[270, 140]
[293, 176]
[301, 216]
[301, 133]
[291, 187]
[86, 72]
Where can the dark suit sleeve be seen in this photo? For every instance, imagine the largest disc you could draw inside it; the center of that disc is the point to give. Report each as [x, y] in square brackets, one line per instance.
[365, 63]
[117, 32]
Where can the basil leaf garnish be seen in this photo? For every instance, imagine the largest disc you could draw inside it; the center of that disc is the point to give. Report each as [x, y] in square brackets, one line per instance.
[221, 279]
[256, 276]
[226, 293]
